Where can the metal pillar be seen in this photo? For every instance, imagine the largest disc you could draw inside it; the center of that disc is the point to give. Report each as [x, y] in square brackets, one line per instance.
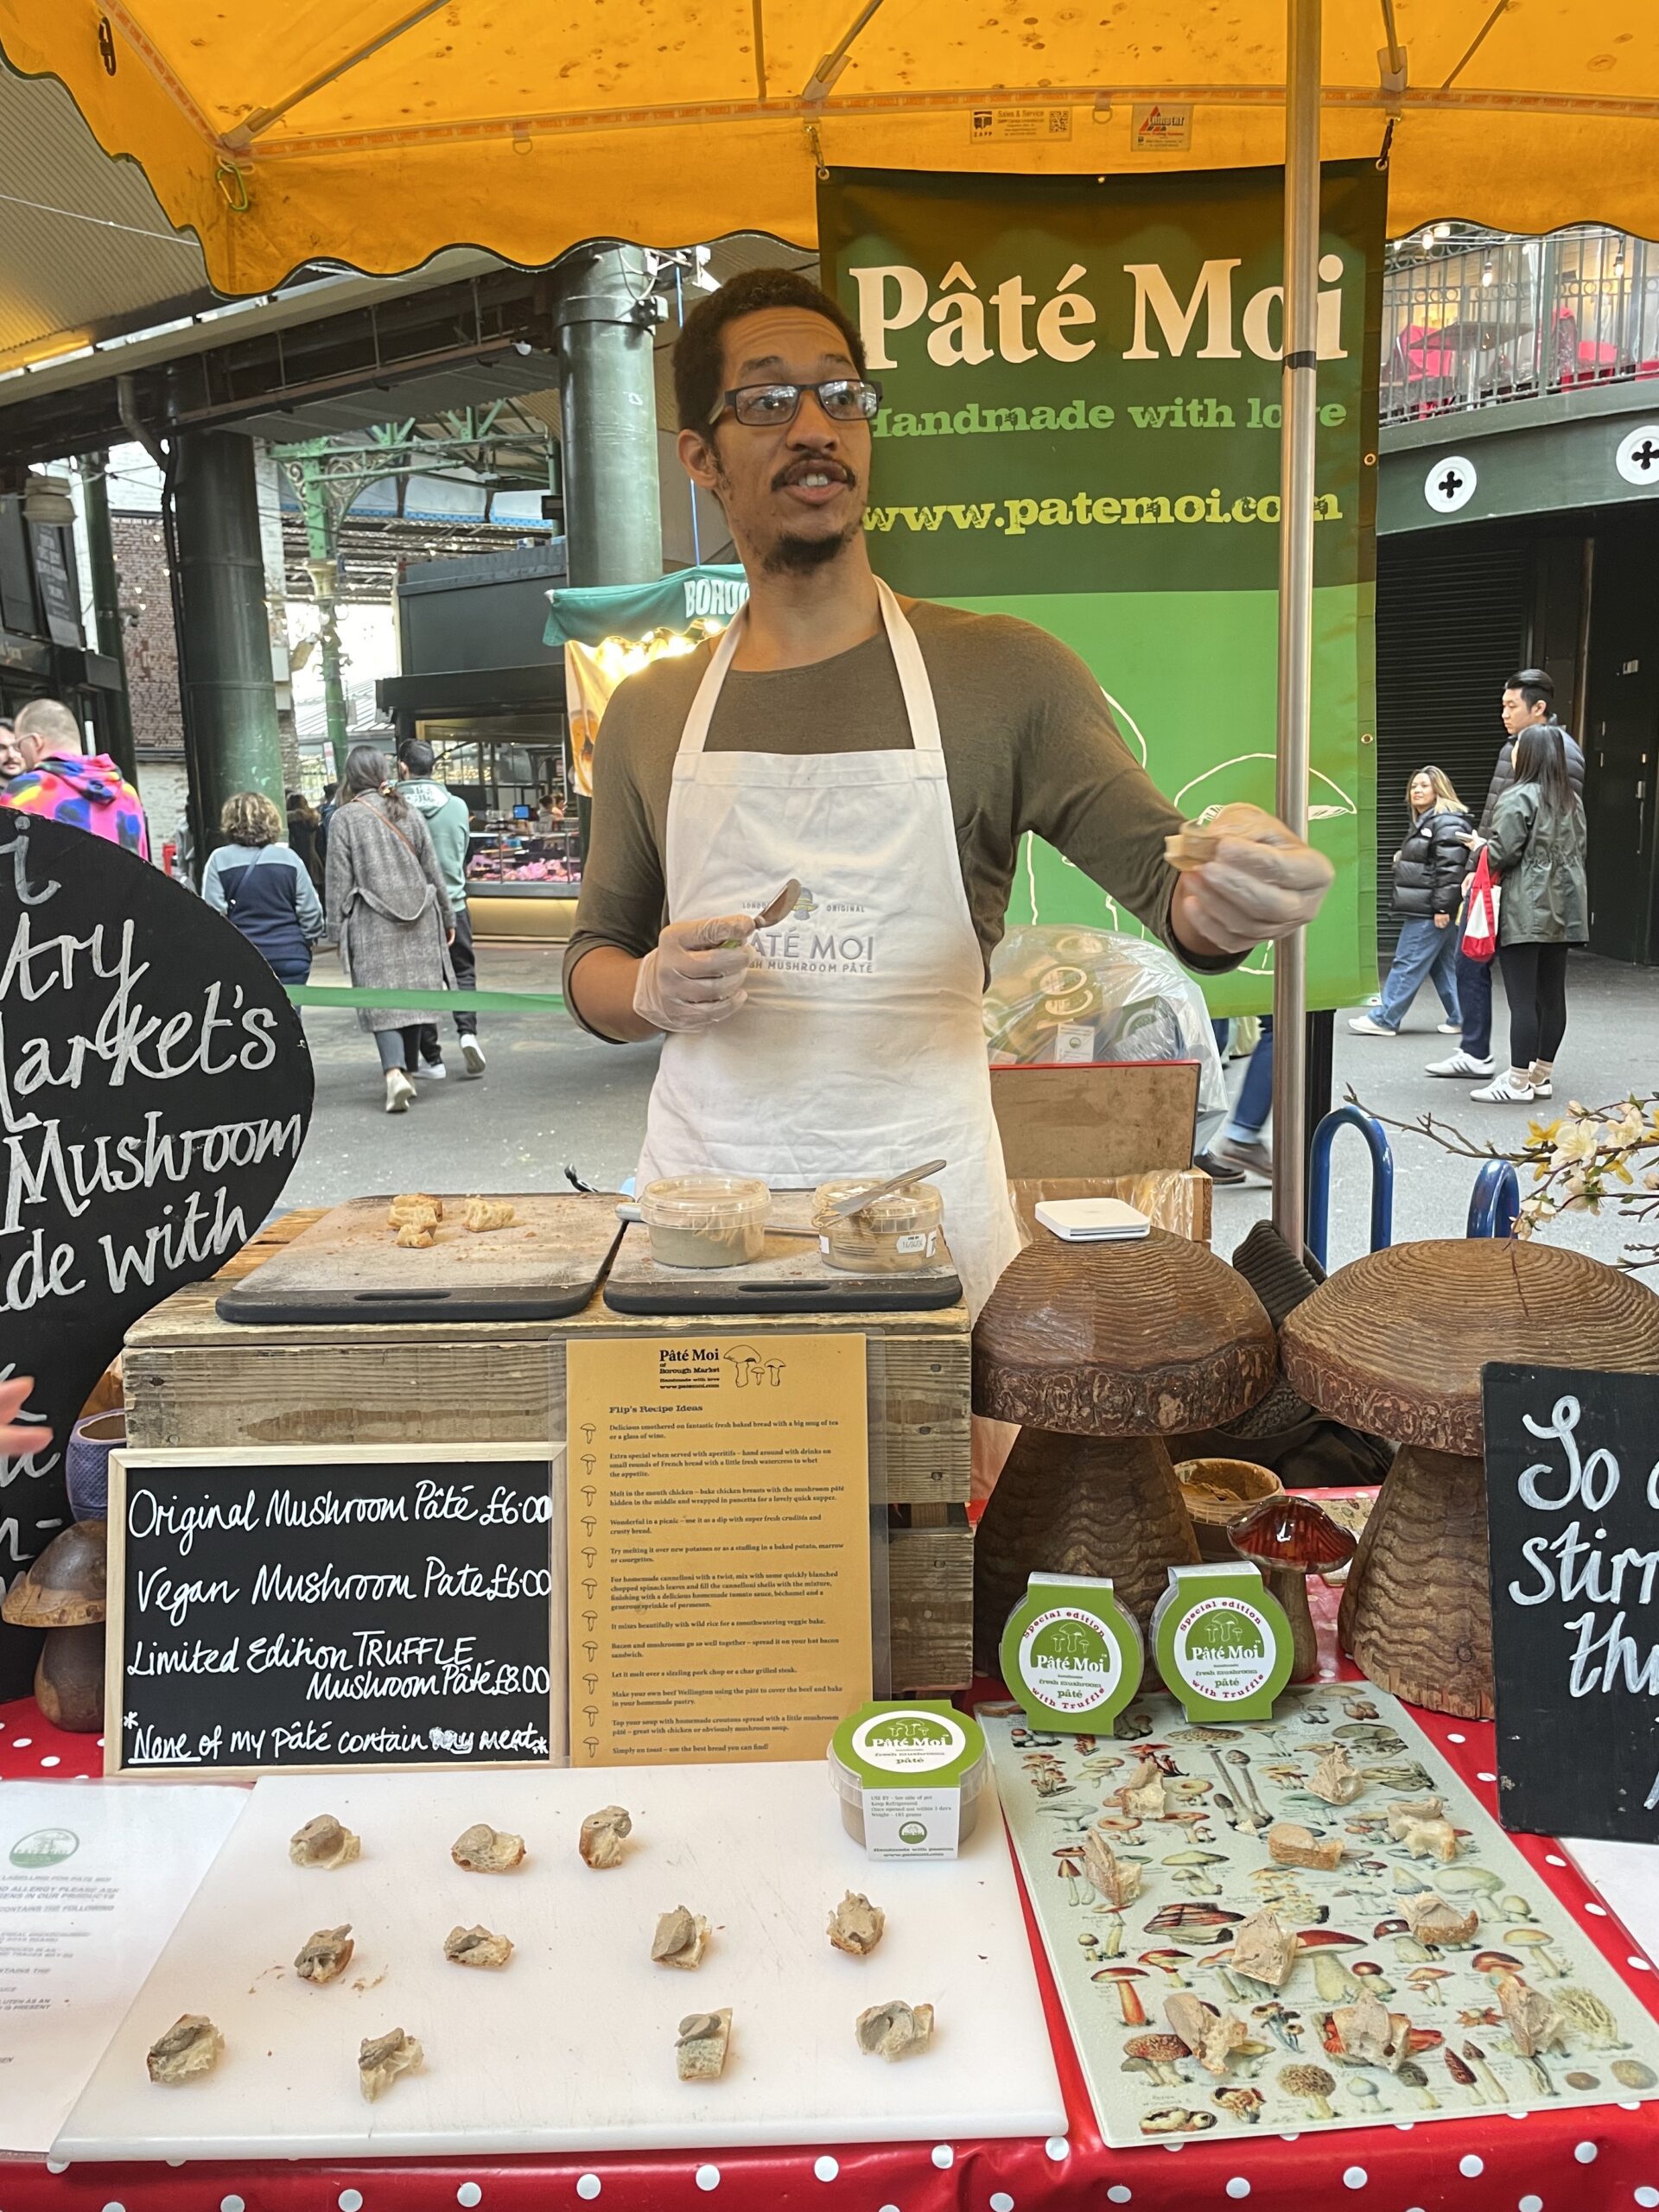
[604, 314]
[230, 704]
[1300, 401]
[322, 518]
[106, 603]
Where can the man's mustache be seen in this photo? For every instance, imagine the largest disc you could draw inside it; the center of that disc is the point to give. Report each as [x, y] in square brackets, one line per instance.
[797, 469]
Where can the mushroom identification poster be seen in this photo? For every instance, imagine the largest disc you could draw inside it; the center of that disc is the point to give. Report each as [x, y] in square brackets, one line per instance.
[719, 1545]
[1433, 1974]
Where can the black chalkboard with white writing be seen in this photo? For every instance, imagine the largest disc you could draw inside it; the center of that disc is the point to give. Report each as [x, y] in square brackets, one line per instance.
[155, 1089]
[1572, 1493]
[347, 1607]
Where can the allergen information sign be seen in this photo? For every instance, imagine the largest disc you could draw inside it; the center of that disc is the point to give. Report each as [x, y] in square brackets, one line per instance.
[1572, 1496]
[335, 1607]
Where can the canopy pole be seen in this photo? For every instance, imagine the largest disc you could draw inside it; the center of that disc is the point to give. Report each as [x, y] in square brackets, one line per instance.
[1300, 400]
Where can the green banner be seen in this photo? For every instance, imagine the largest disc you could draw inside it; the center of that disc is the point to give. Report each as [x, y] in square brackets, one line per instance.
[1079, 426]
[713, 593]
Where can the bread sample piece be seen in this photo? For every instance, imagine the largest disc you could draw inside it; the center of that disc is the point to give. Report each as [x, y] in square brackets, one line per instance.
[1368, 2034]
[1211, 2036]
[1191, 847]
[1534, 2023]
[1116, 1881]
[1422, 1828]
[1141, 1797]
[1432, 1921]
[1291, 1845]
[680, 1941]
[704, 2038]
[381, 2059]
[414, 1205]
[1335, 1780]
[601, 1836]
[1263, 1950]
[855, 1925]
[476, 1946]
[326, 1956]
[483, 1850]
[890, 2030]
[483, 1214]
[323, 1842]
[192, 2046]
[416, 1235]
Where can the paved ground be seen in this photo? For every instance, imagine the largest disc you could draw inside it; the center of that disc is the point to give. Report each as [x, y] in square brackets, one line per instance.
[551, 1096]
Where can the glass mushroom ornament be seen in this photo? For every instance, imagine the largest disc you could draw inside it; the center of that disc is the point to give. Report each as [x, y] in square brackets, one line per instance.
[1289, 1538]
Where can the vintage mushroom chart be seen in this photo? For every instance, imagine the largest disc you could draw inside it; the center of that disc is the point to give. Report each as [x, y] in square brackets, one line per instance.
[1306, 1923]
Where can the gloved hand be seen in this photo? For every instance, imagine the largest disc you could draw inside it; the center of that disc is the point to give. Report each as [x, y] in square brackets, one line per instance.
[695, 976]
[1263, 882]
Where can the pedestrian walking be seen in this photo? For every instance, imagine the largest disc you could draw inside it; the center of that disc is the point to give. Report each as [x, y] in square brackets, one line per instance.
[302, 827]
[387, 905]
[450, 825]
[1242, 1146]
[259, 882]
[1537, 852]
[1528, 701]
[1428, 872]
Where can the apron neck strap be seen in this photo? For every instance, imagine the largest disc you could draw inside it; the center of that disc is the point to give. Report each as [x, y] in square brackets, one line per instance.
[920, 708]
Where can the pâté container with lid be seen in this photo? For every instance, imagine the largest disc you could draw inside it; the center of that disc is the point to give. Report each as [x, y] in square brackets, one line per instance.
[909, 1776]
[705, 1221]
[892, 1236]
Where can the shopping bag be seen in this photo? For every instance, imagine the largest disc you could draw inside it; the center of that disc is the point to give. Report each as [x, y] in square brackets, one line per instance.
[1480, 921]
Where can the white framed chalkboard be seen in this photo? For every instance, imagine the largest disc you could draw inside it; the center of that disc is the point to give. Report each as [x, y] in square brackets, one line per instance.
[330, 1608]
[1572, 1500]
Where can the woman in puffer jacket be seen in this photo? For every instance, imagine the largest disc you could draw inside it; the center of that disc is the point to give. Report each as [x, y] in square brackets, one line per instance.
[1428, 873]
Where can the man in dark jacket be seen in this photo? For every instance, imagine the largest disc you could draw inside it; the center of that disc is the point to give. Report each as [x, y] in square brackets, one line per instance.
[1528, 697]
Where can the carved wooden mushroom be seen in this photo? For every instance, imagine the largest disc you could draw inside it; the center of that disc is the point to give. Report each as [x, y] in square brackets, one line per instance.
[1373, 1346]
[63, 1593]
[1099, 1351]
[1289, 1538]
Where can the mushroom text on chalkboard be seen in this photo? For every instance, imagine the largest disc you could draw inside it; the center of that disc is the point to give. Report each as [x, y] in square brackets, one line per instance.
[154, 1089]
[1572, 1495]
[375, 1605]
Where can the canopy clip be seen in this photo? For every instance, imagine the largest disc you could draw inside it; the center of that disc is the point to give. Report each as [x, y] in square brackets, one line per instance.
[1388, 141]
[233, 181]
[106, 44]
[815, 147]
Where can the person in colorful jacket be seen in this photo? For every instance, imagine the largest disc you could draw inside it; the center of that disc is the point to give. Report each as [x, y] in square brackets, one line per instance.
[85, 790]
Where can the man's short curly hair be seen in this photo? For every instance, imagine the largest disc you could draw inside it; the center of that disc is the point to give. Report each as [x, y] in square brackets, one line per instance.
[699, 353]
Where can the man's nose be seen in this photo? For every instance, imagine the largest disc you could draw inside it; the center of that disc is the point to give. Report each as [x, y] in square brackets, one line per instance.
[811, 426]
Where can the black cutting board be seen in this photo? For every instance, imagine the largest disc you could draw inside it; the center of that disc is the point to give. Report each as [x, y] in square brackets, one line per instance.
[791, 1276]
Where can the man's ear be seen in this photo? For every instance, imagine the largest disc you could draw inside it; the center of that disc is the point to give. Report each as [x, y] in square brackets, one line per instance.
[700, 457]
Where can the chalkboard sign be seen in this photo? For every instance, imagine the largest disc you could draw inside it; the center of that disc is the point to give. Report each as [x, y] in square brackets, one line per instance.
[53, 546]
[331, 1608]
[1573, 1492]
[155, 1089]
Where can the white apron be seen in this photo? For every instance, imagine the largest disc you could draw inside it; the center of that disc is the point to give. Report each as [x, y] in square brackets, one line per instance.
[860, 1048]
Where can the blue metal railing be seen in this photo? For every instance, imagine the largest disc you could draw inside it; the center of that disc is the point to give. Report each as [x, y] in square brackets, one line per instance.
[1319, 1178]
[1495, 1201]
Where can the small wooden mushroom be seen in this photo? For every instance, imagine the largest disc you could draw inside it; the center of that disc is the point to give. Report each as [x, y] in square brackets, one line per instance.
[1289, 1538]
[63, 1593]
[1373, 1347]
[1099, 1351]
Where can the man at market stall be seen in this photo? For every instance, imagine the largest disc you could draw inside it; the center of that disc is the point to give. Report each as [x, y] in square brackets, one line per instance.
[890, 754]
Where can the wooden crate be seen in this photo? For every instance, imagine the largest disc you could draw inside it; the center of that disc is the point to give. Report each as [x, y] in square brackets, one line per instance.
[193, 1380]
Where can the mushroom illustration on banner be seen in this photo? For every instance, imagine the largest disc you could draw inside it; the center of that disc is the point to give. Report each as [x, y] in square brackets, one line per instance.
[155, 1085]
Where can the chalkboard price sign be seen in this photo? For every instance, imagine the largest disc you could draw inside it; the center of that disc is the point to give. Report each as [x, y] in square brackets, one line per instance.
[360, 1606]
[1573, 1492]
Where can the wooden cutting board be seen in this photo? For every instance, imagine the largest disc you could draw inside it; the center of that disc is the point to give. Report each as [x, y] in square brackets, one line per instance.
[348, 1267]
[790, 1276]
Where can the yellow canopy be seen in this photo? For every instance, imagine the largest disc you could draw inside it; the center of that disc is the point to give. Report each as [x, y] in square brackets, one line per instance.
[376, 131]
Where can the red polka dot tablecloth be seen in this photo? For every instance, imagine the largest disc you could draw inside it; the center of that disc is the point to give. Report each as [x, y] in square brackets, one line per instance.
[1603, 2160]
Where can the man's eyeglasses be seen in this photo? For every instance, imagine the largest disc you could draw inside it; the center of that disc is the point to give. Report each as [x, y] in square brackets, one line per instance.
[772, 406]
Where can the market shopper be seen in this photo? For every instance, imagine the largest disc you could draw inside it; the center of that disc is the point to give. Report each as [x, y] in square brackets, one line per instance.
[1537, 852]
[387, 905]
[259, 881]
[1528, 700]
[85, 790]
[1428, 871]
[450, 827]
[889, 756]
[304, 823]
[12, 758]
[1242, 1146]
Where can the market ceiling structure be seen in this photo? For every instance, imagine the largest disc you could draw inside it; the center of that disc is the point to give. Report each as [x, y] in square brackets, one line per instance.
[376, 132]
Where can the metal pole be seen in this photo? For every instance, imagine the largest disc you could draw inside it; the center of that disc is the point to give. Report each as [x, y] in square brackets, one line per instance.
[230, 702]
[1300, 402]
[106, 603]
[322, 565]
[605, 315]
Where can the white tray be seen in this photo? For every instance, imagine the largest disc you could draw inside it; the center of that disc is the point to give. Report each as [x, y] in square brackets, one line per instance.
[571, 2046]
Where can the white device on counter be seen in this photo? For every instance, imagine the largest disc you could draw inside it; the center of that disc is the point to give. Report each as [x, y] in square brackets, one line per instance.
[1092, 1221]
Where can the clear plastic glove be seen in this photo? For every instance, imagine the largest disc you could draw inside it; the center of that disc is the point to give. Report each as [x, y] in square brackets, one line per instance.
[1263, 882]
[697, 975]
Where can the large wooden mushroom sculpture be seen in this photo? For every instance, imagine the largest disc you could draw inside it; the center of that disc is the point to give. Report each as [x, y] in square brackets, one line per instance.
[63, 1593]
[1394, 1343]
[1100, 1351]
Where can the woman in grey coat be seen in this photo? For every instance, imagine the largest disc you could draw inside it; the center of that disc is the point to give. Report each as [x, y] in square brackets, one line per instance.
[1536, 851]
[386, 903]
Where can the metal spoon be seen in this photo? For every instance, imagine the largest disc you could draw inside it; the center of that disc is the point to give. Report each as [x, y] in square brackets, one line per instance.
[855, 1201]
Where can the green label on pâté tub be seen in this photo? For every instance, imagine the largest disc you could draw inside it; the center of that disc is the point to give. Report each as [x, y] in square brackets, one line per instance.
[1222, 1642]
[1071, 1653]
